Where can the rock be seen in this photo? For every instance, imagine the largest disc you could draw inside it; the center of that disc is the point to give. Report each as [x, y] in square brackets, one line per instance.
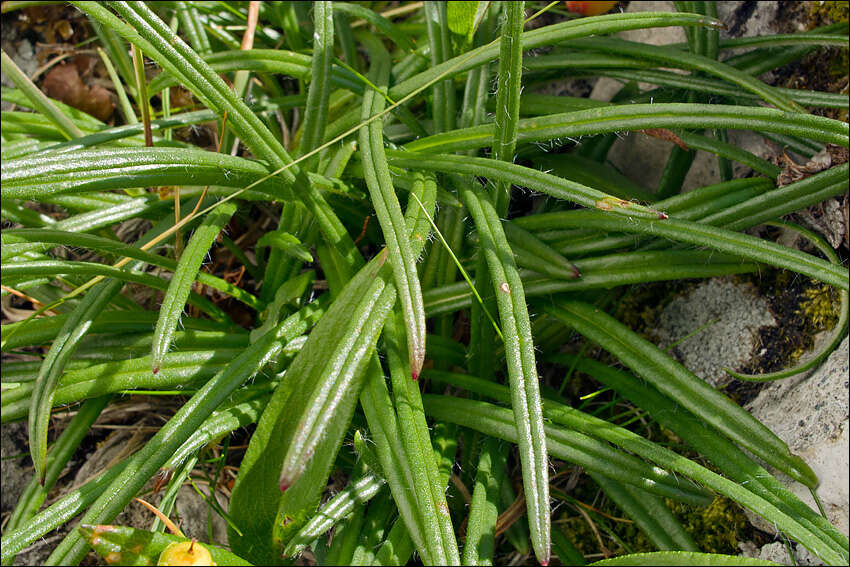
[642, 158]
[778, 553]
[811, 415]
[746, 19]
[20, 50]
[730, 313]
[14, 472]
[194, 511]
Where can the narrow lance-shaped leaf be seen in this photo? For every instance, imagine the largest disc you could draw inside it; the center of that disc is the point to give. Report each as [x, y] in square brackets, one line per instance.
[615, 118]
[315, 116]
[682, 385]
[522, 368]
[483, 510]
[303, 425]
[359, 491]
[688, 558]
[344, 339]
[383, 424]
[41, 402]
[377, 174]
[583, 450]
[507, 97]
[184, 423]
[415, 437]
[109, 246]
[184, 277]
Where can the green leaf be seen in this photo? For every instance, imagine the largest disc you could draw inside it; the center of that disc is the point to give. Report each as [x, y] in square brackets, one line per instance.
[315, 118]
[184, 277]
[683, 386]
[687, 558]
[333, 511]
[123, 545]
[388, 210]
[286, 243]
[567, 444]
[183, 424]
[464, 17]
[522, 368]
[414, 432]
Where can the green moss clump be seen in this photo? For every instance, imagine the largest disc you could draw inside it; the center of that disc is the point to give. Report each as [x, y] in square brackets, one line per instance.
[716, 528]
[820, 306]
[825, 13]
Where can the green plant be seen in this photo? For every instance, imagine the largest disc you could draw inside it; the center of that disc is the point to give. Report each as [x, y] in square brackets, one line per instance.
[391, 118]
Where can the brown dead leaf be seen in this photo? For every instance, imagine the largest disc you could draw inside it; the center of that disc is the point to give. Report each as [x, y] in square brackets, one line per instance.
[667, 135]
[831, 156]
[64, 29]
[837, 154]
[64, 84]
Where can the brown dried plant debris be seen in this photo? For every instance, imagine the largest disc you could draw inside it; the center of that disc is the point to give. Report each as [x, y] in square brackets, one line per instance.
[831, 156]
[64, 84]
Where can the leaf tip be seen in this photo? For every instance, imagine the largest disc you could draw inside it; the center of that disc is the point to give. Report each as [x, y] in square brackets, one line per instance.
[284, 485]
[155, 369]
[415, 376]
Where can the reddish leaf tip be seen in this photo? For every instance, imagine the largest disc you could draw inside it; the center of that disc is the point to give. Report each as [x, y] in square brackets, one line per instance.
[284, 486]
[155, 369]
[545, 562]
[415, 376]
[662, 216]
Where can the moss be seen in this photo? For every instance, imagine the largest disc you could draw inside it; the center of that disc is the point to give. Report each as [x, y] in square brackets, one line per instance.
[825, 13]
[718, 527]
[820, 306]
[802, 308]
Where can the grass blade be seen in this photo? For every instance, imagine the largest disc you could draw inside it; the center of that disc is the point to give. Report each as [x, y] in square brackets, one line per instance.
[565, 444]
[184, 278]
[683, 386]
[377, 174]
[181, 427]
[413, 429]
[315, 117]
[522, 368]
[507, 100]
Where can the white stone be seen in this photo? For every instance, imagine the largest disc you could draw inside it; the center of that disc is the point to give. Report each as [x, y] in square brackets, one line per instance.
[811, 415]
[729, 314]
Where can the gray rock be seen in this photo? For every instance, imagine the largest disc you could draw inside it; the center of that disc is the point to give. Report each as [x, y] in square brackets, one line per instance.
[194, 513]
[746, 19]
[811, 415]
[778, 553]
[728, 314]
[19, 50]
[642, 158]
[15, 474]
